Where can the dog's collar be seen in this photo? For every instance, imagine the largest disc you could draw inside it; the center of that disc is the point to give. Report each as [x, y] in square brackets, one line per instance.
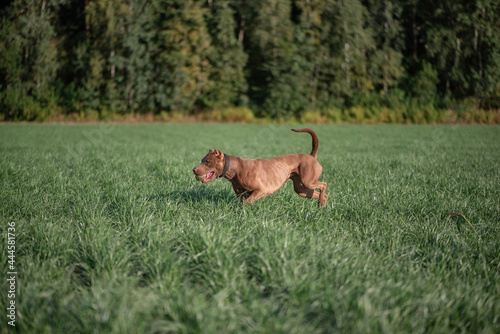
[226, 165]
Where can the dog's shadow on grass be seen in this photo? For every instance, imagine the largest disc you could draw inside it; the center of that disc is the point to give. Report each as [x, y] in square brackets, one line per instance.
[194, 196]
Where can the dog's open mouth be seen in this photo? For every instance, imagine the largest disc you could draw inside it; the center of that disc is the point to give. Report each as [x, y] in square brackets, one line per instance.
[205, 178]
[209, 176]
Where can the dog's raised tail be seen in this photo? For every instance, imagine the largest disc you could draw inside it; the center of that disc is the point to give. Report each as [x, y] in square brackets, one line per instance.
[314, 151]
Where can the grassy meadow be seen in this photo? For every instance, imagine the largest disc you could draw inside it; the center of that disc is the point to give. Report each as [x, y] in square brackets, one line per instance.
[115, 235]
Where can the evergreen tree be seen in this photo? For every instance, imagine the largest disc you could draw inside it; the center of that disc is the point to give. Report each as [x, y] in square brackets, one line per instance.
[11, 70]
[227, 79]
[310, 48]
[137, 61]
[386, 53]
[30, 64]
[343, 72]
[483, 36]
[442, 35]
[105, 51]
[272, 81]
[454, 38]
[71, 30]
[182, 50]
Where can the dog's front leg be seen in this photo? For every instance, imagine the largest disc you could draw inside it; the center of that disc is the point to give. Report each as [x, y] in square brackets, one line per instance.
[256, 194]
[240, 192]
[243, 196]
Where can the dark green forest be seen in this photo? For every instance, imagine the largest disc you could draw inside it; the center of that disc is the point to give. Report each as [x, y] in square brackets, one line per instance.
[342, 60]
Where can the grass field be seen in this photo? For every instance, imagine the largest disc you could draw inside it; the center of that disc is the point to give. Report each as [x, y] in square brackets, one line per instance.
[113, 234]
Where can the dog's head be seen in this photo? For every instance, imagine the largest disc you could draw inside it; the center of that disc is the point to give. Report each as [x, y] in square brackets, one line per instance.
[211, 167]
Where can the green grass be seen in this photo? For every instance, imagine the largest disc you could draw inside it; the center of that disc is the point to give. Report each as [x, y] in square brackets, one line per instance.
[114, 234]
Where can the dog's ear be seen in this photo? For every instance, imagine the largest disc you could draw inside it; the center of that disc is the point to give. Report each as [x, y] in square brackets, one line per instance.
[218, 154]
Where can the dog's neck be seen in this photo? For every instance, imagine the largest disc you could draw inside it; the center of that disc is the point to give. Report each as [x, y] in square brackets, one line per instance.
[226, 165]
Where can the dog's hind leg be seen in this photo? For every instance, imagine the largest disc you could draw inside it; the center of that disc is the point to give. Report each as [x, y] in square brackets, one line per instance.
[308, 189]
[303, 190]
[323, 197]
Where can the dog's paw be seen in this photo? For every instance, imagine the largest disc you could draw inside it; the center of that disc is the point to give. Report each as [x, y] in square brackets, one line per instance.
[323, 199]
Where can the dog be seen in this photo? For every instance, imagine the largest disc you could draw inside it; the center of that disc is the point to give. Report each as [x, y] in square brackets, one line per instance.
[257, 178]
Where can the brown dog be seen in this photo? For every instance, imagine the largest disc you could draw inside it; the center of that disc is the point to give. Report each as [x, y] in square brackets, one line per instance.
[256, 178]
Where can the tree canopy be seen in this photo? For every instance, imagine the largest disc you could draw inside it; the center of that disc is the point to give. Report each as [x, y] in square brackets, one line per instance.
[280, 58]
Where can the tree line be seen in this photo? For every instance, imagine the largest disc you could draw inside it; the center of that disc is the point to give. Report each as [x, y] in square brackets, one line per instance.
[280, 58]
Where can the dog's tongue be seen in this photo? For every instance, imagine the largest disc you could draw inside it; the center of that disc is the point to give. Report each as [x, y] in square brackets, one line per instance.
[209, 175]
